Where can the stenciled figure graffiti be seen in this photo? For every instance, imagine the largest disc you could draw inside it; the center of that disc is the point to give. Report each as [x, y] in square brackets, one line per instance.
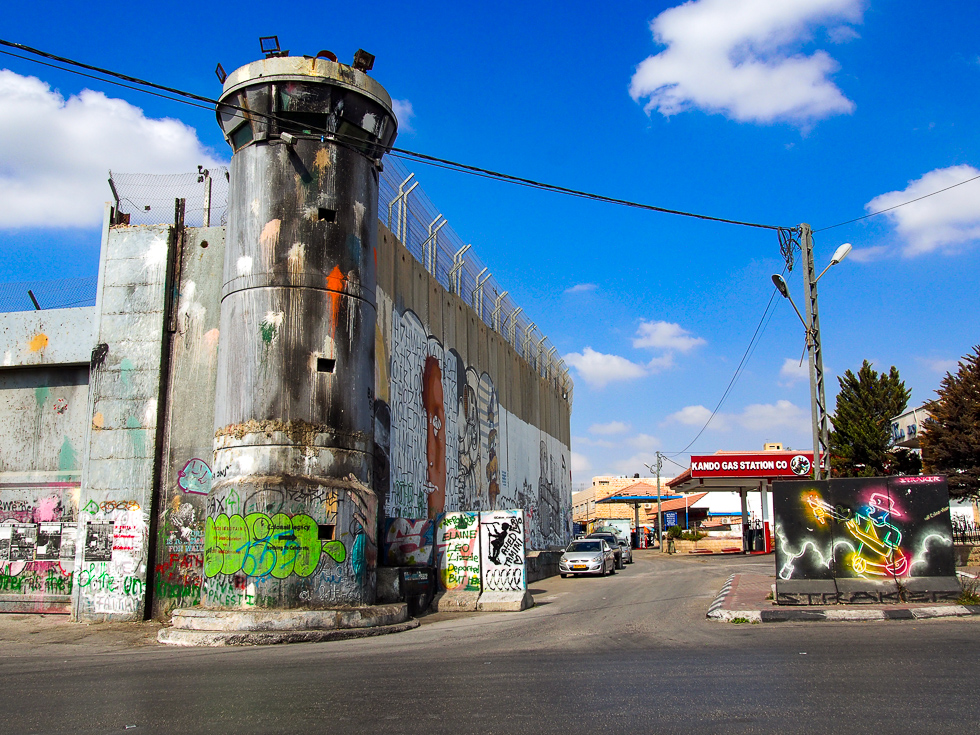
[498, 537]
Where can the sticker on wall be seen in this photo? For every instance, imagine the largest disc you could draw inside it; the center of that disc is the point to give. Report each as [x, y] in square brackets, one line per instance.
[195, 477]
[502, 550]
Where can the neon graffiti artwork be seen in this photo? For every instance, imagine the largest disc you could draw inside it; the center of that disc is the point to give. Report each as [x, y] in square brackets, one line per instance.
[870, 529]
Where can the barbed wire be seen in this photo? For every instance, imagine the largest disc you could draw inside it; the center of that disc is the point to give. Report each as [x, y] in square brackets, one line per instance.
[56, 293]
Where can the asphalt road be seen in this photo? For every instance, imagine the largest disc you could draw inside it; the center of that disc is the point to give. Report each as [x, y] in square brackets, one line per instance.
[631, 653]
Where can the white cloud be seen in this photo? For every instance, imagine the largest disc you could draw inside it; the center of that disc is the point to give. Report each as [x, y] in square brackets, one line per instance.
[735, 57]
[939, 365]
[580, 463]
[581, 441]
[793, 370]
[57, 153]
[659, 364]
[842, 34]
[696, 416]
[613, 427]
[645, 442]
[755, 417]
[581, 288]
[404, 114]
[665, 335]
[868, 255]
[636, 464]
[598, 369]
[779, 415]
[940, 222]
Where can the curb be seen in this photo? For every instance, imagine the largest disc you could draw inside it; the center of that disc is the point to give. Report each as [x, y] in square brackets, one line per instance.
[715, 606]
[181, 637]
[797, 615]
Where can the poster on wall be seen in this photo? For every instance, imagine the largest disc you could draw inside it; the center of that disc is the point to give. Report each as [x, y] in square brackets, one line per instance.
[23, 541]
[458, 551]
[69, 532]
[502, 550]
[98, 541]
[48, 542]
[5, 533]
[408, 542]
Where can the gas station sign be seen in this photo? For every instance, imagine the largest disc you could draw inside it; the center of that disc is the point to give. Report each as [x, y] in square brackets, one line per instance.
[759, 464]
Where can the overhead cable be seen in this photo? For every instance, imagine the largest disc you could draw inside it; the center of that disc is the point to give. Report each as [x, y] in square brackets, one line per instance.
[399, 152]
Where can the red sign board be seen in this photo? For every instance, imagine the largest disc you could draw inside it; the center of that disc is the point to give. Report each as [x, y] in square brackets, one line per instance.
[760, 464]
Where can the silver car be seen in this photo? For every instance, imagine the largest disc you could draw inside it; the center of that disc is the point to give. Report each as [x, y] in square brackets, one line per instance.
[587, 556]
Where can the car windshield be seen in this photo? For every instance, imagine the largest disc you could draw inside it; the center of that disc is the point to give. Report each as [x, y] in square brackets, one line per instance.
[585, 546]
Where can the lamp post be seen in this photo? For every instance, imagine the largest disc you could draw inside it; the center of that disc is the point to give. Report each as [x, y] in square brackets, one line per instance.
[818, 399]
[660, 518]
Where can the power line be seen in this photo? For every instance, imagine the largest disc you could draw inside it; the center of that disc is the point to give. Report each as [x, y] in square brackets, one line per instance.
[889, 209]
[399, 152]
[193, 99]
[760, 327]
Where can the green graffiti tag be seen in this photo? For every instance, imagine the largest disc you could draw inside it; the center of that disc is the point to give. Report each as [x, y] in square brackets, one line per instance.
[261, 546]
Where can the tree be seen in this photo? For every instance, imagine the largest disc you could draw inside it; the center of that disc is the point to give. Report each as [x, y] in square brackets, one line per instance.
[951, 440]
[861, 438]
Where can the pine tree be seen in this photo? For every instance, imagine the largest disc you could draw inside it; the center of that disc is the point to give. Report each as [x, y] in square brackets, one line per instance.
[866, 404]
[951, 440]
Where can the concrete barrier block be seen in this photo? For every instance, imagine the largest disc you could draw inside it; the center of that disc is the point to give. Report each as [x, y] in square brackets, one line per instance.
[505, 601]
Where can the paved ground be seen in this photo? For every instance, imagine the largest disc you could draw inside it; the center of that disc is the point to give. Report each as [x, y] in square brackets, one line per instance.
[628, 653]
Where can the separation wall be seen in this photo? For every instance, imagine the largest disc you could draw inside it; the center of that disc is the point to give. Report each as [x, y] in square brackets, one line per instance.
[462, 422]
[43, 417]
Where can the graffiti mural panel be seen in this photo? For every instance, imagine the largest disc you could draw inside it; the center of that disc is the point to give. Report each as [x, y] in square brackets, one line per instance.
[458, 551]
[502, 550]
[863, 528]
[444, 442]
[408, 542]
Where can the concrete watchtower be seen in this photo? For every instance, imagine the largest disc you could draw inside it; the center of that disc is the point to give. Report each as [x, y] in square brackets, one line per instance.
[291, 519]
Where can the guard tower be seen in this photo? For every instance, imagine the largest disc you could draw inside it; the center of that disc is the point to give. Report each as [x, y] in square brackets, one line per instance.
[292, 521]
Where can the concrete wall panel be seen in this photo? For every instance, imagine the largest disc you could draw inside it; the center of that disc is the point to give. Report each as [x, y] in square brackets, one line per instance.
[49, 337]
[118, 484]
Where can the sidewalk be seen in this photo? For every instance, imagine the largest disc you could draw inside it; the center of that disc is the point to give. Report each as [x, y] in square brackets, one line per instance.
[23, 632]
[747, 598]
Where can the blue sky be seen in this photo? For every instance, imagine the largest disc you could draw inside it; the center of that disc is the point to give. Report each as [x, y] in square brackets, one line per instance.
[814, 111]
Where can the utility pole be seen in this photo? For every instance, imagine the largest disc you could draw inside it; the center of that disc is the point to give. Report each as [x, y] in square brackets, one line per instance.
[660, 517]
[818, 399]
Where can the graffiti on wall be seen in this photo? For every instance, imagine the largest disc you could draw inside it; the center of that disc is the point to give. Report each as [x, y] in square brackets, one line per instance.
[111, 578]
[502, 550]
[458, 551]
[332, 546]
[37, 540]
[863, 528]
[259, 545]
[408, 542]
[443, 442]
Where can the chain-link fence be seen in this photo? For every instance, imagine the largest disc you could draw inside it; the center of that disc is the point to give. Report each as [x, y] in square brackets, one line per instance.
[410, 215]
[60, 293]
[148, 199]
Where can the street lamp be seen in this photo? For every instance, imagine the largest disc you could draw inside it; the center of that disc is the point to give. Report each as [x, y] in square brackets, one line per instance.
[660, 519]
[818, 399]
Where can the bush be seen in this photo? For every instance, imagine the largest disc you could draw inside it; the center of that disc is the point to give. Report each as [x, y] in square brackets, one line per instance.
[692, 535]
[674, 532]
